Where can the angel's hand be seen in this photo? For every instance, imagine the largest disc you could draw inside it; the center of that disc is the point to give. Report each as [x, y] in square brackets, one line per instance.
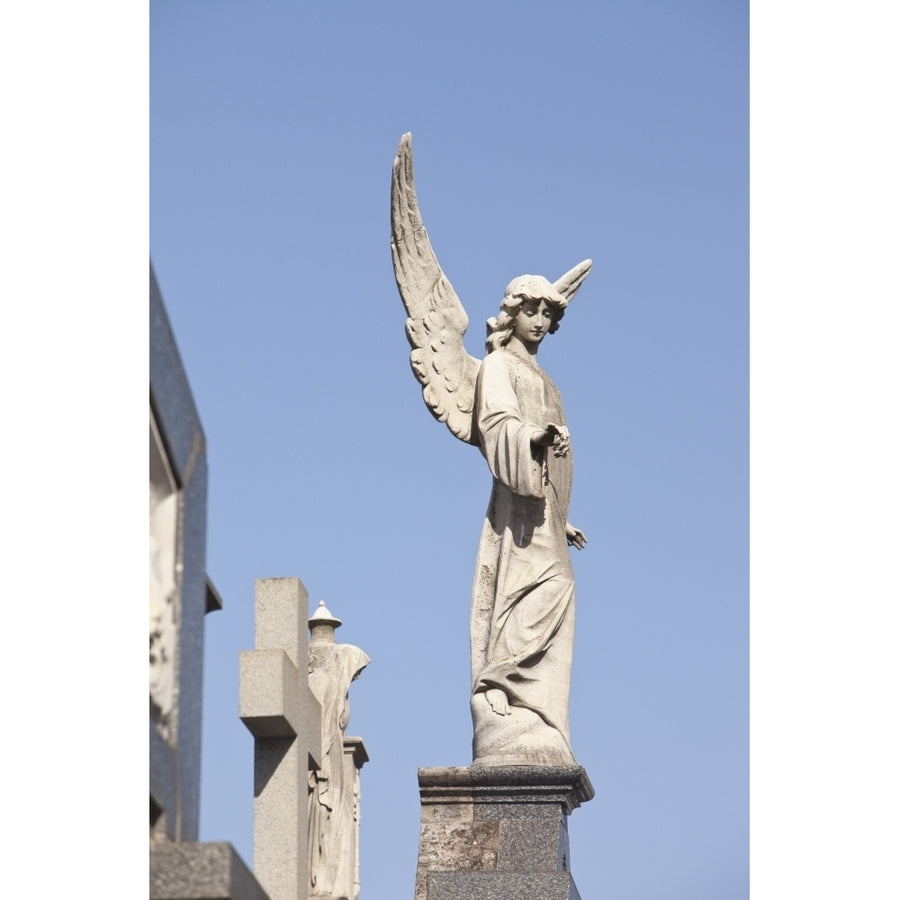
[575, 536]
[546, 437]
[555, 436]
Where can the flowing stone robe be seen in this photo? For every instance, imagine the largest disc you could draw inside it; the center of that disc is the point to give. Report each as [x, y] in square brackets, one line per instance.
[332, 804]
[523, 599]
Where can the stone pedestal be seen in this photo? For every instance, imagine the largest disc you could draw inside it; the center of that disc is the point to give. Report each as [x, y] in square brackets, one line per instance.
[494, 832]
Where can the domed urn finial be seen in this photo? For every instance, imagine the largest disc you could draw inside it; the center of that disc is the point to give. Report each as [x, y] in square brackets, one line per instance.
[322, 625]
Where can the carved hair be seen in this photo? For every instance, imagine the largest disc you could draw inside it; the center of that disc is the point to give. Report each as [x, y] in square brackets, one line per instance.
[525, 287]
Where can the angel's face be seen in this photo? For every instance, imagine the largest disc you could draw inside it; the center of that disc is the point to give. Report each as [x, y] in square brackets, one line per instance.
[533, 321]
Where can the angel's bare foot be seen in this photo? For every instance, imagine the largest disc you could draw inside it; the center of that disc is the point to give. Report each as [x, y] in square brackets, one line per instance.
[497, 699]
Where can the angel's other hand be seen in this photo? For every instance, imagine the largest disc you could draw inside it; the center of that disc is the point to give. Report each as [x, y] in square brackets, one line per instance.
[575, 536]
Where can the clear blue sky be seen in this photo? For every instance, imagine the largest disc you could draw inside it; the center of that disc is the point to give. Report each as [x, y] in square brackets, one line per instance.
[543, 134]
[272, 134]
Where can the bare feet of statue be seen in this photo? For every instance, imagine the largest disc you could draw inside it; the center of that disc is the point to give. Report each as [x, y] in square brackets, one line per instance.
[497, 699]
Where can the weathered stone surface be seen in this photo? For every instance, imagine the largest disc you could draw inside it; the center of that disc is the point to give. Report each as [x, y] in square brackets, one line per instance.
[355, 757]
[178, 585]
[500, 886]
[455, 811]
[533, 845]
[523, 598]
[181, 594]
[164, 545]
[286, 725]
[194, 871]
[270, 703]
[471, 846]
[162, 785]
[334, 785]
[294, 698]
[533, 788]
[497, 831]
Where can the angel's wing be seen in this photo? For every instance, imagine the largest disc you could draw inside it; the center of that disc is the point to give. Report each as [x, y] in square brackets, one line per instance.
[569, 283]
[437, 320]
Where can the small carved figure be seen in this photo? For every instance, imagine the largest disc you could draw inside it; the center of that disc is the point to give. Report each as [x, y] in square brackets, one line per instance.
[333, 798]
[523, 599]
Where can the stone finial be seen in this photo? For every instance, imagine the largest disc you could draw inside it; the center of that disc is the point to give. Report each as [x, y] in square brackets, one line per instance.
[322, 625]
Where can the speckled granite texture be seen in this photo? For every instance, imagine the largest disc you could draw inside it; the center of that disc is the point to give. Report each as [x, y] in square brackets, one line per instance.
[498, 832]
[194, 871]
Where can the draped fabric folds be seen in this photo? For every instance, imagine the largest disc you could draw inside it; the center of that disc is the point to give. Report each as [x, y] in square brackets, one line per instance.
[523, 599]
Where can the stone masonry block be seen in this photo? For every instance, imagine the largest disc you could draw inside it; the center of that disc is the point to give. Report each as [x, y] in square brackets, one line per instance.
[448, 812]
[535, 845]
[281, 615]
[498, 832]
[500, 886]
[194, 871]
[471, 846]
[269, 702]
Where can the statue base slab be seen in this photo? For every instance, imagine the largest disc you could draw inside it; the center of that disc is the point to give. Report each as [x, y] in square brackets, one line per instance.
[494, 832]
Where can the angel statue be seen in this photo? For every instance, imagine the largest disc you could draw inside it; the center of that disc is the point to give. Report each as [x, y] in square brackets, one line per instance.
[523, 598]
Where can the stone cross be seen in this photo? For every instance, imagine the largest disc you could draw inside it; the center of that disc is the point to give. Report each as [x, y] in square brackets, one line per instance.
[284, 717]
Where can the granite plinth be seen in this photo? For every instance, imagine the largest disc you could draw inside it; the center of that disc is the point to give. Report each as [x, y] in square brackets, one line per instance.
[498, 831]
[198, 871]
[500, 886]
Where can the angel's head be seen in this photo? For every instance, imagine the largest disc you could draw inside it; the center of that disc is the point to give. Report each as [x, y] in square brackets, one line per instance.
[526, 290]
